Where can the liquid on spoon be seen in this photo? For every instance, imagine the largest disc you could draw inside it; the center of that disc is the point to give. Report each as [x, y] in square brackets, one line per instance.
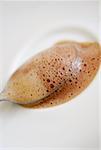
[54, 76]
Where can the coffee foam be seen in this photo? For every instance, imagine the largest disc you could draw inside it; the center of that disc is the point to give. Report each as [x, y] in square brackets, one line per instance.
[81, 71]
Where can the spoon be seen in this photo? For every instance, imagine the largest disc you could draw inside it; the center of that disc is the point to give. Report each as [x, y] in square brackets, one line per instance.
[42, 75]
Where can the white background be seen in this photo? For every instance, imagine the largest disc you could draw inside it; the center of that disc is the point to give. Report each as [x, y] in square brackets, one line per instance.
[71, 125]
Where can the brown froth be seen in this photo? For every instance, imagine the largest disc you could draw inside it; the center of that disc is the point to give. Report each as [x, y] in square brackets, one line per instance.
[55, 75]
[80, 73]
